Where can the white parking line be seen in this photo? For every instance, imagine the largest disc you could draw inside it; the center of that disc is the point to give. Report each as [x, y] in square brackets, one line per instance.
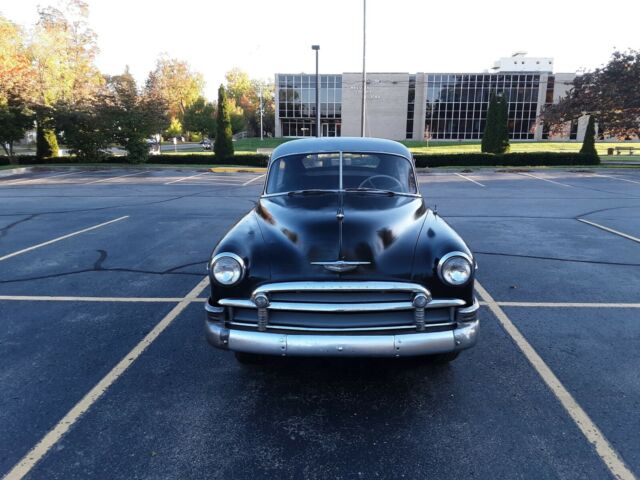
[565, 305]
[73, 234]
[253, 180]
[611, 230]
[20, 182]
[185, 178]
[545, 179]
[615, 178]
[24, 466]
[40, 298]
[470, 179]
[589, 429]
[112, 178]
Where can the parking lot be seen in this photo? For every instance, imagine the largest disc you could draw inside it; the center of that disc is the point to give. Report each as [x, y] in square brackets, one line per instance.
[105, 372]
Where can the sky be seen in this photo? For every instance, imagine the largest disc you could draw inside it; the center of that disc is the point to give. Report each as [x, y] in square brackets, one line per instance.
[264, 37]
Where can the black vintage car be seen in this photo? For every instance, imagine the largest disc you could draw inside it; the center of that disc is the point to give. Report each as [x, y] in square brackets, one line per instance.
[342, 257]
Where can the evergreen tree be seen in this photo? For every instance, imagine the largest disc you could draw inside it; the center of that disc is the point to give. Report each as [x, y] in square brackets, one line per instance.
[223, 146]
[46, 141]
[589, 142]
[496, 133]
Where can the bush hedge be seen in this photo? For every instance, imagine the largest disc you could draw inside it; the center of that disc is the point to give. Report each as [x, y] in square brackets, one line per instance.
[422, 160]
[505, 160]
[249, 160]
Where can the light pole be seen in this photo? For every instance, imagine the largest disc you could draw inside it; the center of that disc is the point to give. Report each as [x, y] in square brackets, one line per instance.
[261, 114]
[364, 70]
[317, 48]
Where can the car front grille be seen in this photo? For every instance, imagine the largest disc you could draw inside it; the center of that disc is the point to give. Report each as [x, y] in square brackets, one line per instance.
[341, 307]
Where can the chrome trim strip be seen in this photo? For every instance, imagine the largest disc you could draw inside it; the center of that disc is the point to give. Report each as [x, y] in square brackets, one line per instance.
[280, 194]
[347, 329]
[447, 257]
[211, 309]
[342, 287]
[321, 307]
[341, 307]
[340, 265]
[410, 344]
[471, 309]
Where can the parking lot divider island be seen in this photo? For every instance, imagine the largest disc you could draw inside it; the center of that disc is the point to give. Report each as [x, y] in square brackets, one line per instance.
[422, 160]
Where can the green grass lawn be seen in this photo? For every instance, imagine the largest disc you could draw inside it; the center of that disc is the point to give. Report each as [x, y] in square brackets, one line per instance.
[252, 144]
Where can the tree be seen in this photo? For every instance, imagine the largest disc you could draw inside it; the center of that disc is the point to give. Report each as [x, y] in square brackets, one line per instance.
[177, 85]
[15, 121]
[16, 77]
[223, 146]
[174, 129]
[85, 128]
[610, 93]
[238, 85]
[496, 133]
[245, 95]
[133, 115]
[589, 142]
[200, 117]
[62, 53]
[16, 72]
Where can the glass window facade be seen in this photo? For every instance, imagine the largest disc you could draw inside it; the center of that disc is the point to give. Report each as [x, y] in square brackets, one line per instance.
[411, 104]
[297, 104]
[456, 104]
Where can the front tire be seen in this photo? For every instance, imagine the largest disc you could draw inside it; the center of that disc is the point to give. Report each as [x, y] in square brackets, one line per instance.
[444, 358]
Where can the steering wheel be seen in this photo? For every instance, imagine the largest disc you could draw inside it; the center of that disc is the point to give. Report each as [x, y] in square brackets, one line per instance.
[369, 181]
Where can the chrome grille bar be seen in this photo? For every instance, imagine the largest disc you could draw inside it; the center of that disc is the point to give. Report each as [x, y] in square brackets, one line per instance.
[341, 287]
[342, 307]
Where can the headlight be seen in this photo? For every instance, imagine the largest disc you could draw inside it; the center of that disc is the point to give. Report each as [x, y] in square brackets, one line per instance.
[227, 268]
[455, 268]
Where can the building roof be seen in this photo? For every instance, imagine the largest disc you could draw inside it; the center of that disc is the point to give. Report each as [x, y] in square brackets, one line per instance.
[340, 144]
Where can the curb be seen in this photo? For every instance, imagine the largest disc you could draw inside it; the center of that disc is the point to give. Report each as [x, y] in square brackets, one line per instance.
[238, 169]
[15, 171]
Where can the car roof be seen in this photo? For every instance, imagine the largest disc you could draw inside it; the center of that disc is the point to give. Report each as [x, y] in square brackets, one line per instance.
[340, 144]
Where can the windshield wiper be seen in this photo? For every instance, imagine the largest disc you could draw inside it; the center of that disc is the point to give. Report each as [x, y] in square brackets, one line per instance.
[377, 191]
[311, 191]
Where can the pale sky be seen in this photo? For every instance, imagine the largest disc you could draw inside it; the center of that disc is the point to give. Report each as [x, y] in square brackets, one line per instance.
[265, 37]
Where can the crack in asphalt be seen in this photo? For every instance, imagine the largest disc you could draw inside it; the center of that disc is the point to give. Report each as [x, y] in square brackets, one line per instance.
[140, 204]
[98, 267]
[4, 230]
[538, 257]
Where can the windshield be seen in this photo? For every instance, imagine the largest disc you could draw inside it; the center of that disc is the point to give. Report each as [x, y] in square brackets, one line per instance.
[360, 171]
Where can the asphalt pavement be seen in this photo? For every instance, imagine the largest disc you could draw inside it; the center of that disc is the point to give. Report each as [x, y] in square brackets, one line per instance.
[105, 372]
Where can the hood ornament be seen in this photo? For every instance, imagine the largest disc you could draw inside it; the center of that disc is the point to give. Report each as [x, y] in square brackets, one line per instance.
[340, 266]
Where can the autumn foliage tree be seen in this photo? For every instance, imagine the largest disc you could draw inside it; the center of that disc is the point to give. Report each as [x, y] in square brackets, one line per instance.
[610, 94]
[16, 80]
[62, 53]
[244, 93]
[177, 85]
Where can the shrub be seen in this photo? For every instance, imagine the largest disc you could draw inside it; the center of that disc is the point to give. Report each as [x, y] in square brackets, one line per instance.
[505, 160]
[495, 138]
[223, 145]
[589, 142]
[46, 142]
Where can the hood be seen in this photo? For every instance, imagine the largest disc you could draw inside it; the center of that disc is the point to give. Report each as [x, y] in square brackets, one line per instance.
[378, 231]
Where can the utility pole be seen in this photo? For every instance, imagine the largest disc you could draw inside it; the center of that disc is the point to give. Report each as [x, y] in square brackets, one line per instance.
[261, 115]
[364, 69]
[318, 130]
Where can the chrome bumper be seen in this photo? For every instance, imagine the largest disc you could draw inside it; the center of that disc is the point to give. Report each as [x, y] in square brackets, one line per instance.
[402, 345]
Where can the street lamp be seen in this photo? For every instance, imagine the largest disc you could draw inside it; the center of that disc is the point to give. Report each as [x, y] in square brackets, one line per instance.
[317, 48]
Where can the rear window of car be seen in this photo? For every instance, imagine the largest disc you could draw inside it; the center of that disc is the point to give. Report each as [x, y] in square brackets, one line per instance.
[321, 171]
